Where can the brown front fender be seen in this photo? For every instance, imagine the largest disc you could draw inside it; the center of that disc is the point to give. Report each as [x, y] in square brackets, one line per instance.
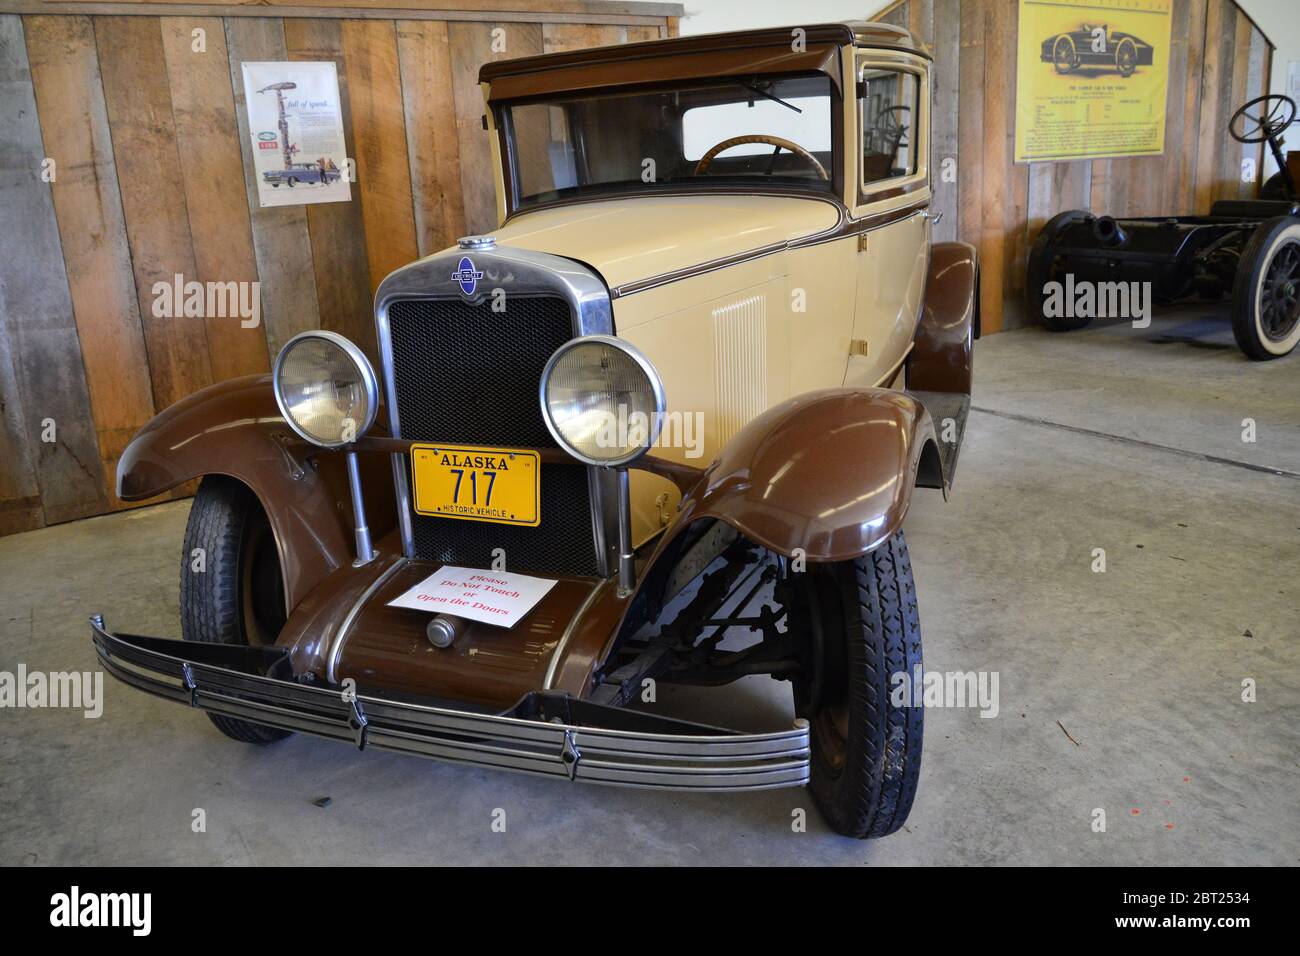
[234, 428]
[829, 472]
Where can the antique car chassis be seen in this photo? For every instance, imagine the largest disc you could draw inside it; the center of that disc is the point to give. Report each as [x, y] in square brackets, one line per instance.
[1208, 256]
[556, 695]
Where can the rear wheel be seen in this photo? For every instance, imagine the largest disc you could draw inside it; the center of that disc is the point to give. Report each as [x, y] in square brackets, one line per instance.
[1266, 292]
[232, 591]
[863, 628]
[1042, 268]
[1126, 57]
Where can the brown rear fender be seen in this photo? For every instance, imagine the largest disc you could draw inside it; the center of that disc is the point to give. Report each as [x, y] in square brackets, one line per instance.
[941, 359]
[234, 428]
[830, 472]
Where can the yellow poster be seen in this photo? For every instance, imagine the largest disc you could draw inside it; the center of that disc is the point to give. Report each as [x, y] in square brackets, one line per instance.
[1091, 78]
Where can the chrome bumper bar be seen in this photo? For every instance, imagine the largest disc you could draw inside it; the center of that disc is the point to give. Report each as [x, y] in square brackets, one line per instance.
[545, 734]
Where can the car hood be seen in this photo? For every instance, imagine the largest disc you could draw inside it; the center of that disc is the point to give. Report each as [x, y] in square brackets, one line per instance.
[627, 240]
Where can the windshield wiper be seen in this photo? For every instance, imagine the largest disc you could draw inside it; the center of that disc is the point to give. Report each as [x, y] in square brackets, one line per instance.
[775, 99]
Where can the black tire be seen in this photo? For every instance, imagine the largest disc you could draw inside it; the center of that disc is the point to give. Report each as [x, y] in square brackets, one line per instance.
[1040, 270]
[1065, 58]
[863, 626]
[1126, 57]
[1266, 292]
[238, 597]
[1274, 187]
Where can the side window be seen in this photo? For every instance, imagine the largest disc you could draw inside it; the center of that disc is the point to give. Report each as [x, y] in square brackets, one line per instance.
[888, 114]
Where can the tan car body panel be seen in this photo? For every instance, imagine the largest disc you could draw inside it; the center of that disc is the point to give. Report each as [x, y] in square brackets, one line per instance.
[672, 232]
[776, 299]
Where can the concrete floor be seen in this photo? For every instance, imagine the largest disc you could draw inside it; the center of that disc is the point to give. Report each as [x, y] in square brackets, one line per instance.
[1108, 438]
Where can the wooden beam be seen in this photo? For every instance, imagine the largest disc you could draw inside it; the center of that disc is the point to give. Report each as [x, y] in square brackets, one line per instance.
[157, 223]
[946, 114]
[338, 230]
[433, 151]
[212, 174]
[518, 11]
[379, 146]
[74, 124]
[473, 44]
[36, 307]
[281, 241]
[970, 124]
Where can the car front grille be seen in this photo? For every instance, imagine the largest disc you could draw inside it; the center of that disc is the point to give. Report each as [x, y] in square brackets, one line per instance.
[464, 374]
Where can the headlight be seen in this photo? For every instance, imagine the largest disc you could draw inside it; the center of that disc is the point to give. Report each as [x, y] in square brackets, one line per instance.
[602, 400]
[325, 388]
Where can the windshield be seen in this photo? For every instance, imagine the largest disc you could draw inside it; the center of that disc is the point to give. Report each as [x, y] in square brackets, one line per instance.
[633, 141]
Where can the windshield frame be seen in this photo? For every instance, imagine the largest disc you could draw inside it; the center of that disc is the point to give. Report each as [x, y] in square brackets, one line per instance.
[718, 185]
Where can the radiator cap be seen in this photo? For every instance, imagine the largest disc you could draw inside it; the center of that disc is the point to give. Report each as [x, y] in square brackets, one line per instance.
[477, 242]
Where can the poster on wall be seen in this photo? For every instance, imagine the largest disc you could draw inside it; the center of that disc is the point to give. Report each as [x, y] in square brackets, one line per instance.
[295, 121]
[1091, 79]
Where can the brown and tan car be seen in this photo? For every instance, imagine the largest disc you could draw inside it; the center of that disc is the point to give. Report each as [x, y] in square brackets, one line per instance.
[673, 408]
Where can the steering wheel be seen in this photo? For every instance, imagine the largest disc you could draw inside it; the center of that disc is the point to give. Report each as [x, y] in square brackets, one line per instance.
[890, 121]
[1276, 113]
[706, 160]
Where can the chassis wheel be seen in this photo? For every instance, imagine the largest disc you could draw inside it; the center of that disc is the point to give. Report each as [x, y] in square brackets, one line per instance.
[1274, 187]
[1041, 269]
[1064, 56]
[1266, 292]
[863, 627]
[238, 596]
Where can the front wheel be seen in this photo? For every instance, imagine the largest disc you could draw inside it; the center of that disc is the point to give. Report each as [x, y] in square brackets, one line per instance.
[863, 631]
[1266, 292]
[1064, 56]
[232, 591]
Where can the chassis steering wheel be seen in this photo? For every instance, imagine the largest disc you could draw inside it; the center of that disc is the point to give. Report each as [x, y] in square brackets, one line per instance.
[706, 160]
[1275, 114]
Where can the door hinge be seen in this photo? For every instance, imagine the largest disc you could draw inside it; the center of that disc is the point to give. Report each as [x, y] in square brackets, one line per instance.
[862, 241]
[859, 347]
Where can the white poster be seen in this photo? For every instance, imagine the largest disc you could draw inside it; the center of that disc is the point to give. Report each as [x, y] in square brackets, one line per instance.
[493, 597]
[295, 120]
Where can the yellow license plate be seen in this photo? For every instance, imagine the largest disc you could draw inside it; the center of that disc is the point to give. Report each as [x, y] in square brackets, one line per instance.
[477, 484]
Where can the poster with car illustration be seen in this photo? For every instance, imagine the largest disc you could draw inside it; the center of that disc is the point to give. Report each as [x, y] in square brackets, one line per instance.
[1092, 78]
[295, 122]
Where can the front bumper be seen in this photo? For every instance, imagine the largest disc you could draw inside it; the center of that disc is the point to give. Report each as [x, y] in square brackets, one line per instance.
[544, 734]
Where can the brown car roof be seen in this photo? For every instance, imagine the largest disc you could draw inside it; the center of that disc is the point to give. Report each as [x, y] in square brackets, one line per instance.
[730, 45]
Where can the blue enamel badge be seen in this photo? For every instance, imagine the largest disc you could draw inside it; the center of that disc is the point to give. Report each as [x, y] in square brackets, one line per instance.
[467, 275]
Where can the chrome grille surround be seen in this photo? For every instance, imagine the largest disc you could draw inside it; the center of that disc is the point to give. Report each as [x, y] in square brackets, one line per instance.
[520, 272]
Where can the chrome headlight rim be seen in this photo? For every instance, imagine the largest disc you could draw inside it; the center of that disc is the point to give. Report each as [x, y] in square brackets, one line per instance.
[366, 374]
[647, 368]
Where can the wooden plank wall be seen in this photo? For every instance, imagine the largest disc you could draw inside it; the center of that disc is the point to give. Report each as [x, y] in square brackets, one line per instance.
[1218, 61]
[151, 177]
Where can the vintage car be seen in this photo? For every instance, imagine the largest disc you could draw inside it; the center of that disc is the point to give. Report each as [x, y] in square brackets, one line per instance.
[730, 232]
[1096, 46]
[301, 173]
[1248, 249]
